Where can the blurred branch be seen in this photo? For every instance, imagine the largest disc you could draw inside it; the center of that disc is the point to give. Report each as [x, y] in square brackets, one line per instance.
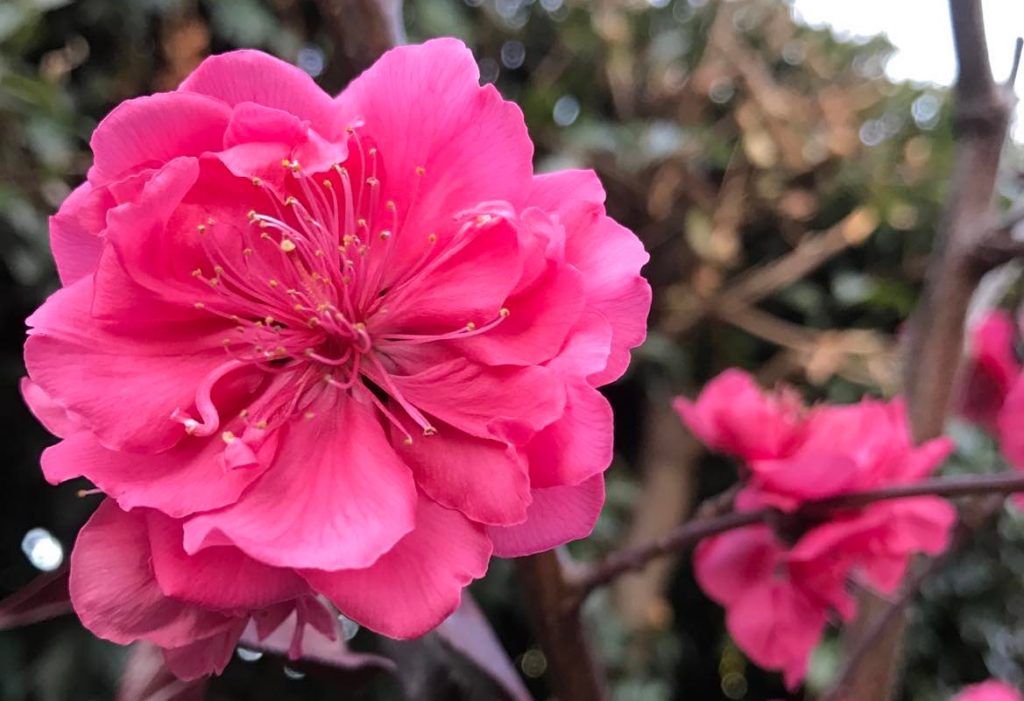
[362, 30]
[936, 330]
[692, 532]
[575, 675]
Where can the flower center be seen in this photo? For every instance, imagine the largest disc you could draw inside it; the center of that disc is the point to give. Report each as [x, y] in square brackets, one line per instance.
[300, 280]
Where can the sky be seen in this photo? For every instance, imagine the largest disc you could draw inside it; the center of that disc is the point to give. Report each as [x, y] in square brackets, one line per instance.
[921, 32]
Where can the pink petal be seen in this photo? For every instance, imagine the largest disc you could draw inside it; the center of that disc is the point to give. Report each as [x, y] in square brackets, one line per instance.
[989, 369]
[424, 107]
[1011, 424]
[728, 565]
[337, 496]
[51, 415]
[577, 446]
[506, 403]
[587, 347]
[732, 415]
[538, 323]
[219, 577]
[75, 232]
[115, 593]
[206, 656]
[188, 478]
[124, 383]
[557, 516]
[484, 479]
[253, 76]
[418, 583]
[991, 690]
[609, 256]
[151, 131]
[778, 627]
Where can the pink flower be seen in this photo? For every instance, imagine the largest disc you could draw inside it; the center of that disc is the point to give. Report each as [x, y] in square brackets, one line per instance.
[352, 344]
[990, 369]
[778, 596]
[991, 690]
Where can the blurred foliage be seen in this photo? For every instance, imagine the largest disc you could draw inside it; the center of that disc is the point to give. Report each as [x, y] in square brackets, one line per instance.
[727, 136]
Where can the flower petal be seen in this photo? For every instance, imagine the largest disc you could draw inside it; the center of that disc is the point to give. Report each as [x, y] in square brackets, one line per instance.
[418, 583]
[253, 76]
[115, 593]
[578, 445]
[151, 131]
[446, 143]
[219, 577]
[336, 497]
[730, 564]
[557, 516]
[75, 231]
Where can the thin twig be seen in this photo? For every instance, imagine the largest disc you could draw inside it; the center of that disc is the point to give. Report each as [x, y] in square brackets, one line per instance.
[689, 534]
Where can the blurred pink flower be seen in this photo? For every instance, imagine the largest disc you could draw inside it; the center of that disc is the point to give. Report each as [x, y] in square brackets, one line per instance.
[991, 690]
[778, 594]
[352, 344]
[990, 369]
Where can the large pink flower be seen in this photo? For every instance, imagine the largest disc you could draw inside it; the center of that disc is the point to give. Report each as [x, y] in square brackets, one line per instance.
[351, 344]
[992, 690]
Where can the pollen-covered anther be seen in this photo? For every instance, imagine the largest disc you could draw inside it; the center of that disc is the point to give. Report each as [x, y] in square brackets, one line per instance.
[287, 245]
[470, 326]
[385, 235]
[432, 238]
[201, 228]
[372, 181]
[308, 415]
[421, 171]
[197, 272]
[227, 436]
[429, 431]
[504, 312]
[390, 205]
[251, 215]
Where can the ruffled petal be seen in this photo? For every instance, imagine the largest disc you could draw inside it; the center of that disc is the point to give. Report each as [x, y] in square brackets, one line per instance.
[418, 583]
[219, 577]
[253, 76]
[557, 516]
[609, 256]
[446, 143]
[115, 594]
[578, 445]
[151, 131]
[204, 657]
[728, 565]
[75, 232]
[337, 496]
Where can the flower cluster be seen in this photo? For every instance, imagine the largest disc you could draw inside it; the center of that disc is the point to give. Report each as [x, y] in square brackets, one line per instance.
[779, 588]
[318, 348]
[992, 384]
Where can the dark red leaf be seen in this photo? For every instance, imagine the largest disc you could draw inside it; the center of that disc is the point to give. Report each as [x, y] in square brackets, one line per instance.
[43, 598]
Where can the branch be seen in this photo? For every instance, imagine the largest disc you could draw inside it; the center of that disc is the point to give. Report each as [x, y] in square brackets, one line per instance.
[362, 30]
[936, 330]
[692, 532]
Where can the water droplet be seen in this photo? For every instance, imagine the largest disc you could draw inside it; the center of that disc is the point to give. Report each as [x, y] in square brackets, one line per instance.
[311, 60]
[513, 54]
[42, 550]
[721, 92]
[566, 110]
[293, 673]
[349, 628]
[247, 654]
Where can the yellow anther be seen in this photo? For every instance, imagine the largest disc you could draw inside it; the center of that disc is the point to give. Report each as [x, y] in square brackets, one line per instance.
[308, 415]
[225, 341]
[201, 228]
[385, 235]
[246, 251]
[200, 305]
[298, 307]
[197, 273]
[429, 431]
[420, 170]
[257, 182]
[287, 245]
[319, 253]
[290, 200]
[227, 436]
[362, 250]
[407, 440]
[372, 151]
[390, 205]
[261, 424]
[218, 270]
[273, 283]
[243, 413]
[359, 326]
[432, 238]
[327, 183]
[268, 320]
[504, 312]
[470, 326]
[361, 223]
[285, 163]
[280, 350]
[372, 181]
[251, 215]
